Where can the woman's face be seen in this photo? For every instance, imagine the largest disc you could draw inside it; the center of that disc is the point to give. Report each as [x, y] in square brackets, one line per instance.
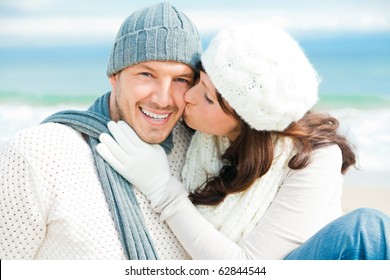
[204, 113]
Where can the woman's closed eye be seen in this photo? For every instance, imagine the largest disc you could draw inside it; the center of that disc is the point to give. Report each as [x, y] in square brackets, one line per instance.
[208, 100]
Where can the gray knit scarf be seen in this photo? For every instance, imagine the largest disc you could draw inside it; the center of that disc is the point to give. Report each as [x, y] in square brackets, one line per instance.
[119, 193]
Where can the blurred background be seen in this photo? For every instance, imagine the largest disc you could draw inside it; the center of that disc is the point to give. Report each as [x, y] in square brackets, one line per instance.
[53, 56]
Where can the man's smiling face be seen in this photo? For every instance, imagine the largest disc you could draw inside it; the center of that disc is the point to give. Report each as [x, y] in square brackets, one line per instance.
[149, 96]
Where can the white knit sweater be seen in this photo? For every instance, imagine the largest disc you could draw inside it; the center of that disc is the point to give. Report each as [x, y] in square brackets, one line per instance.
[306, 201]
[52, 205]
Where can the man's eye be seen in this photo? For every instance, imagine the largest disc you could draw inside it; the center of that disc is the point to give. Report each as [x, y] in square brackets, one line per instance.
[181, 80]
[146, 74]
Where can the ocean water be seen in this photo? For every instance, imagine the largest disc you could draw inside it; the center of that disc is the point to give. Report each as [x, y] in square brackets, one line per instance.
[355, 87]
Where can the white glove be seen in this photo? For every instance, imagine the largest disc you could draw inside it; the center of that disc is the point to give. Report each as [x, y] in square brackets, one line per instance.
[143, 165]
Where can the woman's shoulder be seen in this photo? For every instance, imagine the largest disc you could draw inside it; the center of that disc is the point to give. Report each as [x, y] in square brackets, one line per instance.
[323, 161]
[331, 153]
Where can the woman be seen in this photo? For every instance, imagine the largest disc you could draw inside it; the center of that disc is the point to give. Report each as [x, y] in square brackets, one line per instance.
[264, 171]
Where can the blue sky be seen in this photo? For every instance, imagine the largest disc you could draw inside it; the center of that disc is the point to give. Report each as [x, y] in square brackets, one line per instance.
[75, 22]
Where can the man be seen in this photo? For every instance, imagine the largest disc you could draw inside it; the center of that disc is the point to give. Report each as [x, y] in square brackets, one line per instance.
[59, 200]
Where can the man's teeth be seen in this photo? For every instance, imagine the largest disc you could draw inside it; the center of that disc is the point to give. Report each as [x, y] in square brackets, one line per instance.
[153, 115]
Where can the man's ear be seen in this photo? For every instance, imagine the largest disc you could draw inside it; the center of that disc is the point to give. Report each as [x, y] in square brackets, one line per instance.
[113, 80]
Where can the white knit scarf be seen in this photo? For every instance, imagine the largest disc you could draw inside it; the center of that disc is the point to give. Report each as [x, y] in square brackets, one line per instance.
[239, 213]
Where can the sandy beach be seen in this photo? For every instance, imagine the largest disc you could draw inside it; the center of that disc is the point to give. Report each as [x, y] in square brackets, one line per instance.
[370, 196]
[367, 189]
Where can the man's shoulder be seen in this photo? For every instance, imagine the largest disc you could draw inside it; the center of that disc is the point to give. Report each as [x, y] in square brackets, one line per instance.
[182, 132]
[181, 138]
[48, 135]
[45, 130]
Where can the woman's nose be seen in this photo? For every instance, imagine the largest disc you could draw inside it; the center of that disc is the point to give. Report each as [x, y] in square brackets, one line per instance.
[189, 95]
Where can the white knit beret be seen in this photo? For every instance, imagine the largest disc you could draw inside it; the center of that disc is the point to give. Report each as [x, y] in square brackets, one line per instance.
[263, 74]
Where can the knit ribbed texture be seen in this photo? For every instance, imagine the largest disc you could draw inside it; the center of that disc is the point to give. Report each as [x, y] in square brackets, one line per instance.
[119, 193]
[158, 32]
[263, 74]
[52, 204]
[239, 213]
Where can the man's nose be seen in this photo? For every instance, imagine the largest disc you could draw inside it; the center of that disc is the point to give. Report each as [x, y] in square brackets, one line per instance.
[163, 96]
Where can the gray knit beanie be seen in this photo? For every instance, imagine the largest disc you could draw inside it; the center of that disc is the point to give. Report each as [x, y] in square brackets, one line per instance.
[158, 32]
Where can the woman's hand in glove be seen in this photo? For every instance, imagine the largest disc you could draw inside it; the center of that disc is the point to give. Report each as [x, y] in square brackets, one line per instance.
[143, 165]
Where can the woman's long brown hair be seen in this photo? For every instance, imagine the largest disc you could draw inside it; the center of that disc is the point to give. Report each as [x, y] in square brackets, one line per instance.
[250, 156]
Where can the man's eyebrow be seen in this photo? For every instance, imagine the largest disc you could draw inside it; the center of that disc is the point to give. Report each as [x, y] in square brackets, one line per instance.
[146, 67]
[189, 75]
